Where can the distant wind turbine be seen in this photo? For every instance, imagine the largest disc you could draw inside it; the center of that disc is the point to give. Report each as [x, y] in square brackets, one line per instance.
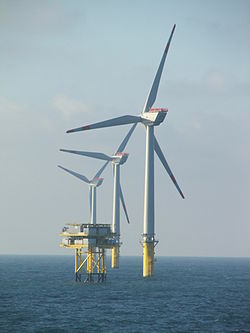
[117, 159]
[93, 184]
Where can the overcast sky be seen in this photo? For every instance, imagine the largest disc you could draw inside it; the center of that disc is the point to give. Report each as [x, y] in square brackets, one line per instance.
[65, 64]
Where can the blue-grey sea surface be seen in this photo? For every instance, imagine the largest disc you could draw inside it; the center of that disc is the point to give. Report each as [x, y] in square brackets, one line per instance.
[38, 294]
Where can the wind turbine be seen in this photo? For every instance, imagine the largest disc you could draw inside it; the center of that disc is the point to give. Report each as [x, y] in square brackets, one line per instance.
[150, 117]
[118, 159]
[93, 184]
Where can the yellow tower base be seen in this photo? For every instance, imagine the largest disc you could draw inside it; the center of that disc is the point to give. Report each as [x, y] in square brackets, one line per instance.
[115, 256]
[148, 259]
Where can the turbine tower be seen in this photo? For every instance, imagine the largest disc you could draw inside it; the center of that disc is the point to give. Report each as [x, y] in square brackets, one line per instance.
[150, 117]
[93, 184]
[119, 158]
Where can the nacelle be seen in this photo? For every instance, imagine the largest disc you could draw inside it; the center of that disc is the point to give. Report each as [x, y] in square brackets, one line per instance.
[120, 158]
[154, 116]
[97, 181]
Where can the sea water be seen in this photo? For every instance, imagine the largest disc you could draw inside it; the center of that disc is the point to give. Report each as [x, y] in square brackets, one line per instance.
[39, 294]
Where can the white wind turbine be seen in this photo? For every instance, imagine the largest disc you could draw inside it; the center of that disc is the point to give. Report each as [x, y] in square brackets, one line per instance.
[93, 184]
[119, 158]
[149, 117]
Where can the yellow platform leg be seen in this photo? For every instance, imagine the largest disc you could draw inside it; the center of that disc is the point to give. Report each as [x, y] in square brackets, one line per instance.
[90, 260]
[148, 259]
[104, 268]
[76, 260]
[115, 256]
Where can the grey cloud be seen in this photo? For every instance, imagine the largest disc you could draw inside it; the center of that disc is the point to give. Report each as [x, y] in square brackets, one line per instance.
[38, 17]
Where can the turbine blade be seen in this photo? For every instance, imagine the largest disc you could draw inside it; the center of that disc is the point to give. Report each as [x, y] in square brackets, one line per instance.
[153, 92]
[100, 171]
[73, 173]
[100, 156]
[123, 120]
[166, 166]
[126, 139]
[123, 204]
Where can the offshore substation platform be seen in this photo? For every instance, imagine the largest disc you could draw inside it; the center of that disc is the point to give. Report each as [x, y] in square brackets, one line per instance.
[90, 242]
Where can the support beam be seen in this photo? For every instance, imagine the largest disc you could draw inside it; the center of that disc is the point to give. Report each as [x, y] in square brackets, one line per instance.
[77, 264]
[90, 259]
